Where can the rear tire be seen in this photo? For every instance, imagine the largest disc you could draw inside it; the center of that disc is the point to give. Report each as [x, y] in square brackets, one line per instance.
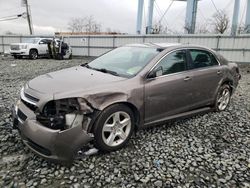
[33, 54]
[223, 98]
[113, 128]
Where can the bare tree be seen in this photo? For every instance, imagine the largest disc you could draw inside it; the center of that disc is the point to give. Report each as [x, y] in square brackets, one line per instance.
[202, 28]
[220, 21]
[76, 24]
[158, 28]
[85, 24]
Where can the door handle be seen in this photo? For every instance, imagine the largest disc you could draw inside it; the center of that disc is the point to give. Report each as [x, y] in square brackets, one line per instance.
[187, 78]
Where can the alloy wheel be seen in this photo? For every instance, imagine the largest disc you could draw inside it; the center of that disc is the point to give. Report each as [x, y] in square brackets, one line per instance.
[224, 99]
[116, 128]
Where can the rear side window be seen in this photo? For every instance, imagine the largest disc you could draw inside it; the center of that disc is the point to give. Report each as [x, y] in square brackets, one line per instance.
[202, 58]
[173, 63]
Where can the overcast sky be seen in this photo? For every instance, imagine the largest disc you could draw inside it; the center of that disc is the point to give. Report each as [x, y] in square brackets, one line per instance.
[53, 15]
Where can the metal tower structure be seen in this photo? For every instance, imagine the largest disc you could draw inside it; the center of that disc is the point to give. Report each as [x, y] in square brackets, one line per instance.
[150, 17]
[190, 20]
[247, 21]
[139, 16]
[235, 17]
[191, 12]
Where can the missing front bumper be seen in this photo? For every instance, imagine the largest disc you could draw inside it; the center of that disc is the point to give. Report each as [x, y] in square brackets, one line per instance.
[46, 142]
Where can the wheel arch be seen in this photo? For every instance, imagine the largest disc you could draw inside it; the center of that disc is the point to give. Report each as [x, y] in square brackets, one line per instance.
[134, 109]
[223, 82]
[228, 82]
[34, 49]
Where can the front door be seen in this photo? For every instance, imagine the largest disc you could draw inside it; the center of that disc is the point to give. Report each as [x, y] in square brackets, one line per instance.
[170, 91]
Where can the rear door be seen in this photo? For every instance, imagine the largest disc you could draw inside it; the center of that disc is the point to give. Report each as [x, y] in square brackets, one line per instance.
[169, 92]
[206, 75]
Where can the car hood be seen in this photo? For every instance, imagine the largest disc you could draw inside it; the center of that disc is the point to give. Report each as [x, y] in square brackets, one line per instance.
[72, 80]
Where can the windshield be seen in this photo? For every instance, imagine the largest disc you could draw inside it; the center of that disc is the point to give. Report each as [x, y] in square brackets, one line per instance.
[124, 61]
[31, 40]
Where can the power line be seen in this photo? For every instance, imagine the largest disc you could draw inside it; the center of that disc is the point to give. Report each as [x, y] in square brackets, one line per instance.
[7, 19]
[166, 10]
[217, 10]
[202, 15]
[10, 16]
[228, 5]
[214, 5]
[159, 12]
[13, 17]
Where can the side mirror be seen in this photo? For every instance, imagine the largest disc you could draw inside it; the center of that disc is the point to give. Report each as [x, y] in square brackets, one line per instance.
[156, 72]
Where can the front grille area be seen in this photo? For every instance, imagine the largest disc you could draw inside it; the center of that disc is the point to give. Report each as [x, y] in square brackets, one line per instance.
[21, 115]
[14, 47]
[53, 122]
[29, 105]
[31, 97]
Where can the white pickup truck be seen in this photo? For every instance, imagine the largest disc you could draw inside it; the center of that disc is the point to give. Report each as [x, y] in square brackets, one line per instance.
[35, 47]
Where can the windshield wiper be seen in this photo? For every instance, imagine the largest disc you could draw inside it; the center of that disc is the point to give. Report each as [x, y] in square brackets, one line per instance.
[85, 65]
[107, 71]
[101, 70]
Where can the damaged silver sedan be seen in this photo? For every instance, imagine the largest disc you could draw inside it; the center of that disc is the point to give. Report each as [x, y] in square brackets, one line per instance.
[126, 89]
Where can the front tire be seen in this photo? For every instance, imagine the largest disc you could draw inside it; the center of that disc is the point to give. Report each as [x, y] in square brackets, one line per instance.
[33, 54]
[114, 127]
[223, 98]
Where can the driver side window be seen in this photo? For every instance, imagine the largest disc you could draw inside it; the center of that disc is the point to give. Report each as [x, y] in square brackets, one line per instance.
[43, 41]
[172, 63]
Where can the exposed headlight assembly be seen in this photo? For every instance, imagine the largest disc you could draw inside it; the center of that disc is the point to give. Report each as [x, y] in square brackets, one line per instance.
[73, 120]
[65, 113]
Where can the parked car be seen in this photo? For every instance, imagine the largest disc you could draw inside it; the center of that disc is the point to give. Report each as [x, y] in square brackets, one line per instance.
[128, 88]
[31, 47]
[35, 47]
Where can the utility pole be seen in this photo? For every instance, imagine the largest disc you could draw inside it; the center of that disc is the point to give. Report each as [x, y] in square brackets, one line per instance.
[25, 2]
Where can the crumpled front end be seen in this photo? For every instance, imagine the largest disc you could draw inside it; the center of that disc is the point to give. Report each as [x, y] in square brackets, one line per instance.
[57, 130]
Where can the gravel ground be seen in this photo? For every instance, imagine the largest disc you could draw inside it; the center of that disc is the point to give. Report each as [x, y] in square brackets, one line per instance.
[211, 150]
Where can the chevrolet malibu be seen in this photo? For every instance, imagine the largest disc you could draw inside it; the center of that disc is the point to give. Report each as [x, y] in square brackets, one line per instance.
[126, 89]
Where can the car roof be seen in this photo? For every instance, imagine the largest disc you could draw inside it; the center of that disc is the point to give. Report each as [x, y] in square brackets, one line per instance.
[166, 45]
